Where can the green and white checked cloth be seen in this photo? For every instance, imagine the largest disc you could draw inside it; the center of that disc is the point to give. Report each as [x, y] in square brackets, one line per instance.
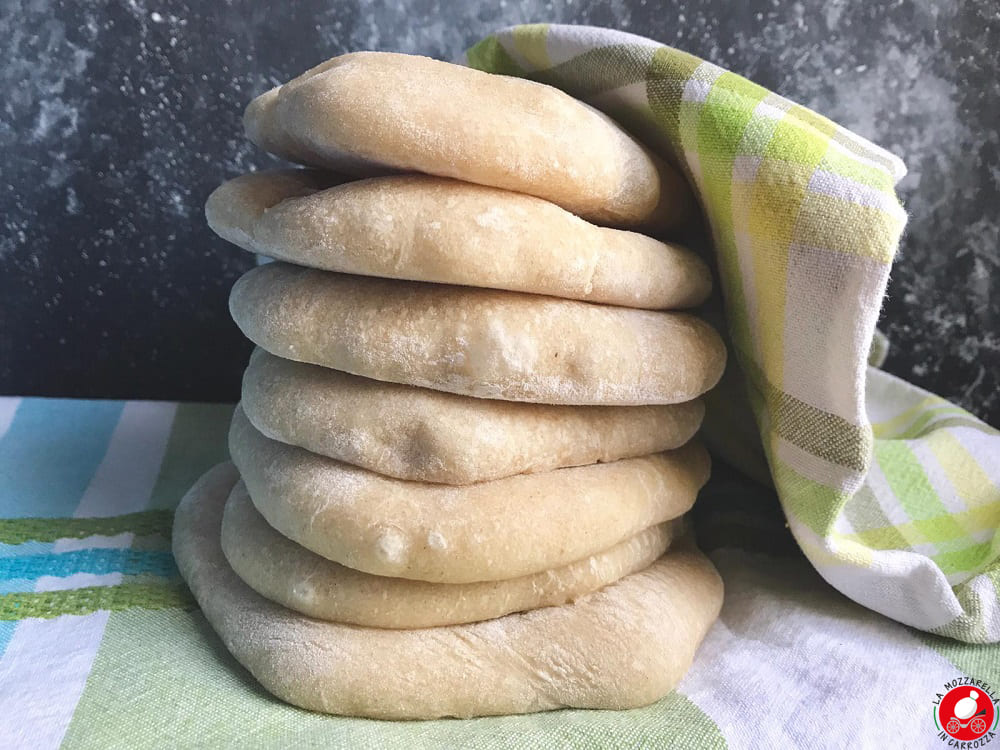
[101, 645]
[893, 494]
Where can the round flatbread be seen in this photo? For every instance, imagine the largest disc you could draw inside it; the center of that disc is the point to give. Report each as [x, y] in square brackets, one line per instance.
[234, 208]
[431, 436]
[289, 574]
[479, 532]
[478, 342]
[622, 647]
[368, 112]
[433, 229]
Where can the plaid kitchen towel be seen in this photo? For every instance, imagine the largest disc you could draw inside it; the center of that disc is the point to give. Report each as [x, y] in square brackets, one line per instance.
[101, 645]
[892, 493]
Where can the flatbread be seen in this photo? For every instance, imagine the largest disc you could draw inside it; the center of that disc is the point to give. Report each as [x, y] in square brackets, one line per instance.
[478, 342]
[479, 532]
[622, 647]
[284, 572]
[235, 207]
[430, 436]
[434, 229]
[368, 112]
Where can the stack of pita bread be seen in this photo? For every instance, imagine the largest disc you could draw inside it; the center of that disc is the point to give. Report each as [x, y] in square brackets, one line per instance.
[464, 445]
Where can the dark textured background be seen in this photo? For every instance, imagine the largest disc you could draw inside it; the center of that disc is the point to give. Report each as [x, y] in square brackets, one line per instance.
[119, 118]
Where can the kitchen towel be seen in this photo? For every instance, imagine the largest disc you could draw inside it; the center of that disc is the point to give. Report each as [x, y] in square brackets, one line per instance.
[892, 493]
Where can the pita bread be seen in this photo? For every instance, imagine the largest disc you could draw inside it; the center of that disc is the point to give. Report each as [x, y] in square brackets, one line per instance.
[233, 209]
[478, 342]
[460, 534]
[369, 112]
[430, 436]
[282, 571]
[433, 229]
[624, 646]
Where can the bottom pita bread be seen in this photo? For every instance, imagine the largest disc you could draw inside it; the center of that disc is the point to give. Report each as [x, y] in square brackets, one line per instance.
[622, 647]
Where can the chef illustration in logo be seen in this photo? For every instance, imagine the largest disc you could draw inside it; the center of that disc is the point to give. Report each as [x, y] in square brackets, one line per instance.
[965, 713]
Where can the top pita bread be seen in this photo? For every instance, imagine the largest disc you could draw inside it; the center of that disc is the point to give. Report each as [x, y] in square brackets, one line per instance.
[372, 112]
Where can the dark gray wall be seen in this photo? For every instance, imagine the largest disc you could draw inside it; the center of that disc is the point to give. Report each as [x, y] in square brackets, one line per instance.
[119, 118]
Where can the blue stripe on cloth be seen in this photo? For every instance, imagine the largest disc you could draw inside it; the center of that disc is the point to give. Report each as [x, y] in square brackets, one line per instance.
[50, 454]
[94, 561]
[16, 586]
[28, 548]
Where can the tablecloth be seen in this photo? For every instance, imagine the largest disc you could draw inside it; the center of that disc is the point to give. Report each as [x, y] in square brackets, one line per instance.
[101, 645]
